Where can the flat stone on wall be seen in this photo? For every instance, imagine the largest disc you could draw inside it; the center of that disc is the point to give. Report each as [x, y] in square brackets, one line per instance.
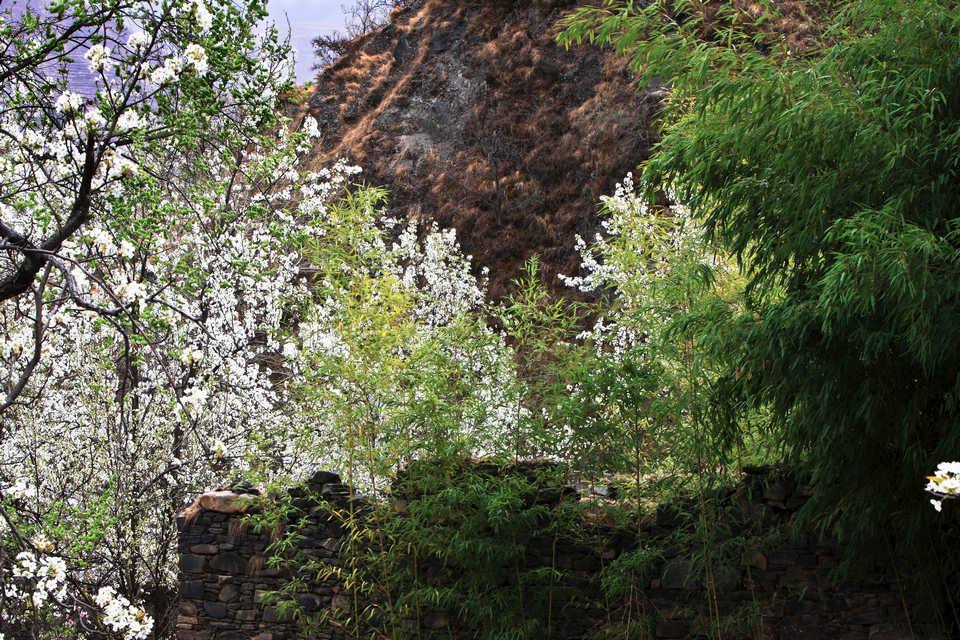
[224, 571]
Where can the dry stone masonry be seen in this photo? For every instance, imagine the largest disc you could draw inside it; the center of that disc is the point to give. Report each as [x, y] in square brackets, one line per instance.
[224, 572]
[779, 587]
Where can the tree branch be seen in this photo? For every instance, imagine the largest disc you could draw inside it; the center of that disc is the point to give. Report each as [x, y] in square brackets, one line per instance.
[21, 279]
[38, 329]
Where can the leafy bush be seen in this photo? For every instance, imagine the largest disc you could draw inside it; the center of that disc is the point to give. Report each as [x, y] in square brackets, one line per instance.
[832, 177]
[475, 532]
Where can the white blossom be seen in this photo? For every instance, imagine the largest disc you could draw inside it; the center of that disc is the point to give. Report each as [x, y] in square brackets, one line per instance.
[68, 102]
[196, 58]
[98, 56]
[168, 72]
[101, 240]
[123, 617]
[21, 487]
[127, 249]
[131, 291]
[198, 11]
[130, 119]
[190, 355]
[94, 119]
[194, 399]
[138, 40]
[945, 482]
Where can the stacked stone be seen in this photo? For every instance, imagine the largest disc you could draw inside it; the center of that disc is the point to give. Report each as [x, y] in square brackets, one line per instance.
[225, 573]
[780, 591]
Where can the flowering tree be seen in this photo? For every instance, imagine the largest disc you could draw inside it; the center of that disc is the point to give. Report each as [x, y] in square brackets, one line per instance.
[76, 171]
[147, 243]
[652, 369]
[395, 357]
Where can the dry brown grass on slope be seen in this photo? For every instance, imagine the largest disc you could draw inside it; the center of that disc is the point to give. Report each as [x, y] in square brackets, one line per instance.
[474, 118]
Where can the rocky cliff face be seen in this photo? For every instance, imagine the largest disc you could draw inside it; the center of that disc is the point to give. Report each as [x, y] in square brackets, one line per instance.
[474, 118]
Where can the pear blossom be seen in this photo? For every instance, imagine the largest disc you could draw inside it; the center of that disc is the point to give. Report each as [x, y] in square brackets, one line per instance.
[122, 166]
[97, 56]
[218, 448]
[944, 483]
[21, 487]
[68, 102]
[41, 542]
[168, 72]
[94, 119]
[130, 119]
[131, 291]
[196, 58]
[101, 240]
[127, 249]
[138, 40]
[37, 578]
[123, 617]
[194, 399]
[201, 15]
[190, 355]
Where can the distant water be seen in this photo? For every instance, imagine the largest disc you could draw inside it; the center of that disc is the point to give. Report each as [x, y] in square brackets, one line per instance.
[304, 20]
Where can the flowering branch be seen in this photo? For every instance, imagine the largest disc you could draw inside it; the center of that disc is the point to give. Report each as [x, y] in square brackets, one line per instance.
[21, 279]
[944, 484]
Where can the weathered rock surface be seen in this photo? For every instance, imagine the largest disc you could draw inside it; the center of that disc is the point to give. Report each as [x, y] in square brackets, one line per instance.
[476, 119]
[225, 501]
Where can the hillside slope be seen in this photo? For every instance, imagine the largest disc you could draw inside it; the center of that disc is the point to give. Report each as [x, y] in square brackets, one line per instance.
[474, 118]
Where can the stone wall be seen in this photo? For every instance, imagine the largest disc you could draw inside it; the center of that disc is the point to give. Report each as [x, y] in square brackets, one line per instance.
[224, 571]
[777, 586]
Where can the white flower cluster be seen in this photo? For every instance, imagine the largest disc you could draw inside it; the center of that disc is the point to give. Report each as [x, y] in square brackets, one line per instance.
[117, 165]
[68, 102]
[169, 71]
[634, 258]
[199, 13]
[194, 399]
[130, 120]
[131, 291]
[98, 56]
[138, 40]
[20, 489]
[37, 579]
[100, 240]
[196, 58]
[190, 355]
[393, 313]
[945, 482]
[93, 119]
[121, 616]
[438, 271]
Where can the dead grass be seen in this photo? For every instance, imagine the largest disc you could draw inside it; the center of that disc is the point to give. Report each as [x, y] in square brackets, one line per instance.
[526, 136]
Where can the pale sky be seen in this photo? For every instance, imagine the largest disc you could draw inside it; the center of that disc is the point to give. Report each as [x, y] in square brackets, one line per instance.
[307, 20]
